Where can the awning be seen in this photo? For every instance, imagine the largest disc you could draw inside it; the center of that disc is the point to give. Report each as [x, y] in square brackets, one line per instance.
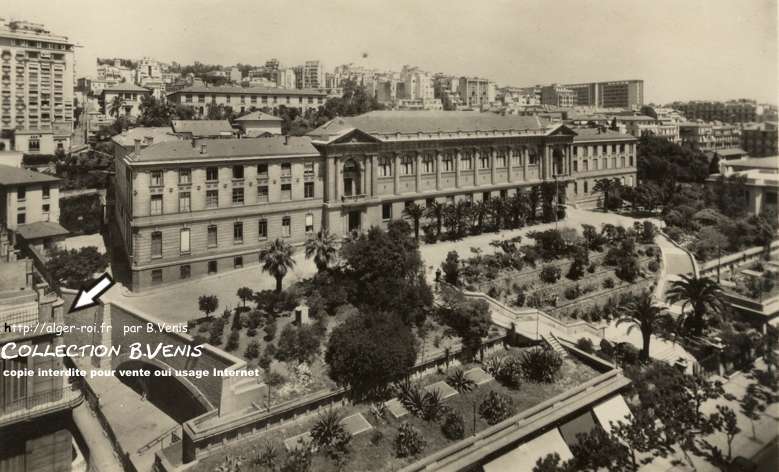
[41, 229]
[526, 455]
[612, 410]
[582, 424]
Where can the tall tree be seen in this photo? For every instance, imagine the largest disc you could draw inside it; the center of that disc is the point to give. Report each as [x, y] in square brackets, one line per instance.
[644, 314]
[415, 212]
[435, 211]
[277, 260]
[703, 294]
[322, 248]
[116, 106]
[609, 188]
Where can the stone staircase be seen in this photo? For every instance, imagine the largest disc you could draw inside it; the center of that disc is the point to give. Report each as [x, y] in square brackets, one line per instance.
[551, 340]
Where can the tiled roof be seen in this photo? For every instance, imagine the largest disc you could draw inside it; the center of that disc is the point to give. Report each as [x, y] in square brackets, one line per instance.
[204, 128]
[410, 122]
[41, 229]
[126, 87]
[15, 176]
[235, 90]
[225, 149]
[258, 116]
[594, 134]
[158, 135]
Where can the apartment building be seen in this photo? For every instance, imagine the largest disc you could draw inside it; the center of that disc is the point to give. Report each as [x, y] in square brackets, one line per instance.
[761, 178]
[242, 99]
[760, 139]
[130, 95]
[114, 72]
[310, 75]
[644, 125]
[709, 136]
[734, 111]
[190, 208]
[36, 80]
[612, 94]
[558, 95]
[476, 93]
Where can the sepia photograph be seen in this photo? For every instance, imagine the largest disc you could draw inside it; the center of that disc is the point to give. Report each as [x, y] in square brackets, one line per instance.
[389, 235]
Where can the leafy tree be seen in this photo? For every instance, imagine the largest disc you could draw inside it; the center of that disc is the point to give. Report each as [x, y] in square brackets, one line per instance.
[116, 107]
[252, 350]
[703, 294]
[451, 268]
[277, 261]
[644, 314]
[298, 344]
[595, 240]
[322, 248]
[470, 319]
[368, 352]
[75, 268]
[549, 274]
[551, 463]
[641, 436]
[541, 364]
[245, 293]
[752, 407]
[609, 188]
[662, 161]
[727, 422]
[496, 407]
[597, 450]
[415, 212]
[456, 218]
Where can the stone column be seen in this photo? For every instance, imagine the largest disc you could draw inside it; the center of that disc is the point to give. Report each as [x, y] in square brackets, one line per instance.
[438, 158]
[525, 158]
[362, 178]
[374, 168]
[396, 173]
[492, 165]
[457, 157]
[418, 169]
[510, 156]
[339, 181]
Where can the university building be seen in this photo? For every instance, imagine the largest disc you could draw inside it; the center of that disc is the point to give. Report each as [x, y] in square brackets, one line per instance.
[241, 99]
[187, 208]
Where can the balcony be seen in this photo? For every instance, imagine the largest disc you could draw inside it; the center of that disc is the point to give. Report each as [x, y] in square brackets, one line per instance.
[353, 199]
[40, 404]
[286, 179]
[262, 179]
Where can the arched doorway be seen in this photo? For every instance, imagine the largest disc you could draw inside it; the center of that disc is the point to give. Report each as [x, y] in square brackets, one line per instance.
[352, 181]
[166, 392]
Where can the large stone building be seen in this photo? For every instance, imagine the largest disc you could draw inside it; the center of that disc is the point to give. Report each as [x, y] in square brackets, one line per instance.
[558, 95]
[612, 94]
[188, 208]
[734, 111]
[709, 136]
[761, 177]
[760, 139]
[475, 92]
[36, 83]
[241, 99]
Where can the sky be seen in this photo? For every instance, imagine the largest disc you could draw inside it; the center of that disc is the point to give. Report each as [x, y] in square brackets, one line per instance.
[682, 49]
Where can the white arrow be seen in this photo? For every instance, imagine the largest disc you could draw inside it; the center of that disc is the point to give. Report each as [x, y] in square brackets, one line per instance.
[90, 297]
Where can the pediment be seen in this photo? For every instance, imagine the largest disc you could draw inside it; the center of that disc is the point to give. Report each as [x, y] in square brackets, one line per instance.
[355, 136]
[561, 130]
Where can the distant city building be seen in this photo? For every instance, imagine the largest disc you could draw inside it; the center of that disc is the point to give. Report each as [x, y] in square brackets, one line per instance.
[130, 96]
[417, 84]
[734, 111]
[30, 207]
[619, 93]
[558, 95]
[705, 137]
[760, 140]
[148, 70]
[475, 92]
[762, 182]
[114, 72]
[310, 75]
[242, 99]
[37, 79]
[644, 125]
[258, 123]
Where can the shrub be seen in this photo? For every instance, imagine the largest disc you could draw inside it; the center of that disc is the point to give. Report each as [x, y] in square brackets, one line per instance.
[650, 251]
[252, 350]
[274, 379]
[585, 344]
[451, 267]
[460, 382]
[270, 331]
[510, 372]
[606, 348]
[496, 408]
[520, 300]
[572, 292]
[409, 441]
[541, 364]
[549, 274]
[264, 361]
[653, 266]
[454, 426]
[199, 339]
[608, 283]
[215, 333]
[376, 435]
[232, 341]
[75, 267]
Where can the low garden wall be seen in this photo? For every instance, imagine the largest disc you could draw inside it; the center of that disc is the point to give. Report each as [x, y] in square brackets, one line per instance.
[731, 260]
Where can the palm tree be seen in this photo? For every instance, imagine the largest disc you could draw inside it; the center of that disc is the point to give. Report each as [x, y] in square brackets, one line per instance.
[435, 211]
[277, 260]
[607, 186]
[415, 212]
[322, 248]
[479, 210]
[519, 208]
[328, 431]
[456, 218]
[460, 382]
[702, 293]
[498, 208]
[116, 107]
[644, 314]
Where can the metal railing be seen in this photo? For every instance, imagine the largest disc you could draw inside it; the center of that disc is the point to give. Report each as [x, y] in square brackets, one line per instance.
[39, 404]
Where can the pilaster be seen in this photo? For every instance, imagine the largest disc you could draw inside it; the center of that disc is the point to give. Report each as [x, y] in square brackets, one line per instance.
[438, 160]
[396, 173]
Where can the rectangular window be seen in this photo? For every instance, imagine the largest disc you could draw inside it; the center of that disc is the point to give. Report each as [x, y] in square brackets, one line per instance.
[309, 224]
[533, 158]
[156, 244]
[212, 174]
[35, 145]
[237, 196]
[184, 241]
[262, 193]
[184, 202]
[286, 192]
[500, 160]
[237, 172]
[212, 236]
[212, 267]
[428, 164]
[156, 205]
[46, 191]
[21, 218]
[21, 194]
[484, 160]
[770, 198]
[308, 190]
[385, 167]
[263, 229]
[212, 198]
[185, 271]
[406, 165]
[185, 176]
[286, 169]
[237, 232]
[156, 276]
[45, 209]
[516, 157]
[156, 178]
[386, 211]
[448, 163]
[576, 166]
[286, 227]
[238, 262]
[308, 170]
[262, 171]
[466, 161]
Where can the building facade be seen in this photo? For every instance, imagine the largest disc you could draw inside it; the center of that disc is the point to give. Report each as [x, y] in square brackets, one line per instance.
[598, 155]
[129, 95]
[310, 75]
[29, 206]
[36, 78]
[709, 136]
[242, 99]
[558, 95]
[761, 176]
[734, 111]
[760, 140]
[476, 93]
[612, 94]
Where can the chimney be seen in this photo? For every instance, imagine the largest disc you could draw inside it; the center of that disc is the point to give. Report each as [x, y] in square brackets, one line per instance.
[203, 148]
[137, 146]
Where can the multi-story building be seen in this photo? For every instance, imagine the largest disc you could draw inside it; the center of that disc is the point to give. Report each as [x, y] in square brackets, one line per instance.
[558, 95]
[36, 79]
[130, 95]
[599, 154]
[761, 176]
[310, 75]
[617, 94]
[417, 84]
[113, 72]
[148, 70]
[475, 92]
[709, 136]
[190, 208]
[760, 139]
[242, 99]
[734, 111]
[644, 125]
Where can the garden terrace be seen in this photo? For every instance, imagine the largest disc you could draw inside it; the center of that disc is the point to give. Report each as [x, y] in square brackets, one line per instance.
[374, 449]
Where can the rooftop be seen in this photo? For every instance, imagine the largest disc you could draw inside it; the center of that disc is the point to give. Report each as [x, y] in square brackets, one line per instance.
[258, 116]
[412, 122]
[771, 162]
[635, 118]
[225, 149]
[730, 152]
[41, 229]
[204, 128]
[126, 87]
[157, 135]
[235, 90]
[16, 176]
[596, 134]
